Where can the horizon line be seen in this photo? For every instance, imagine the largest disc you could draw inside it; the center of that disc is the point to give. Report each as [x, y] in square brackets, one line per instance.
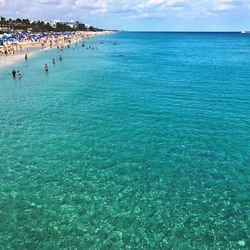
[183, 31]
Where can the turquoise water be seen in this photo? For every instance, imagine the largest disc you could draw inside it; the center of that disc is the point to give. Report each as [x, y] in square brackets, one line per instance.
[143, 143]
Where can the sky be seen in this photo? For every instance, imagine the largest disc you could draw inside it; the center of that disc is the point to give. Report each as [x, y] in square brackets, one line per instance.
[138, 15]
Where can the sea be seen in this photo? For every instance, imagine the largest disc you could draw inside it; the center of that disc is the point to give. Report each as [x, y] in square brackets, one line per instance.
[138, 140]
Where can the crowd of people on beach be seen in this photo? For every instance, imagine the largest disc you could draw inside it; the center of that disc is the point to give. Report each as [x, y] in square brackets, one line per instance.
[10, 44]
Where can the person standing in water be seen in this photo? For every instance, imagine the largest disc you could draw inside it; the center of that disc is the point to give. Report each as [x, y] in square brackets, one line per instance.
[26, 56]
[13, 73]
[53, 61]
[46, 67]
[19, 74]
[60, 58]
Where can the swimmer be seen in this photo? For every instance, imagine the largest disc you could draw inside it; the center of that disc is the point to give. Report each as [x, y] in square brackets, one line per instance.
[46, 67]
[13, 73]
[53, 61]
[19, 74]
[60, 58]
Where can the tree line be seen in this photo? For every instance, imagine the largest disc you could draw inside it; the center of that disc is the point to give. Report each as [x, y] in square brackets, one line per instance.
[41, 26]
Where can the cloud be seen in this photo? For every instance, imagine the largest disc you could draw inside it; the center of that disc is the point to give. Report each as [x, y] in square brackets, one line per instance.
[98, 7]
[92, 4]
[162, 4]
[225, 5]
[49, 1]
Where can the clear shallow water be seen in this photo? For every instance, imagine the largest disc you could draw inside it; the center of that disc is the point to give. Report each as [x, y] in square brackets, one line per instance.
[140, 145]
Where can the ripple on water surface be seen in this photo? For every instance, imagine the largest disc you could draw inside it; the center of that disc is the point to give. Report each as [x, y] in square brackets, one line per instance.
[139, 145]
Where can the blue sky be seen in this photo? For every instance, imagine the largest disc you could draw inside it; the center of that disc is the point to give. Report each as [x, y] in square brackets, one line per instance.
[168, 15]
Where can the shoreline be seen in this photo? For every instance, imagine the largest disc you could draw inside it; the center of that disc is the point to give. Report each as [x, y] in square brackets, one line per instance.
[9, 60]
[29, 48]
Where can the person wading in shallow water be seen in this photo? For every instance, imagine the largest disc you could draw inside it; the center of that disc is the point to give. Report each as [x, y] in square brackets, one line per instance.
[60, 58]
[26, 57]
[46, 67]
[53, 61]
[13, 73]
[19, 74]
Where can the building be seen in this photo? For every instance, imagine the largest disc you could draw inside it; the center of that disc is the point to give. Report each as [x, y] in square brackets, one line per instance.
[5, 28]
[53, 23]
[72, 24]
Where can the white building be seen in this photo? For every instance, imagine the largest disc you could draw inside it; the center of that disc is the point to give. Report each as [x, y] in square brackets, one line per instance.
[72, 24]
[53, 23]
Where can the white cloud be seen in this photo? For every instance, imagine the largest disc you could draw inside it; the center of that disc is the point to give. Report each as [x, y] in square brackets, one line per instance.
[193, 6]
[92, 4]
[162, 4]
[49, 1]
[225, 5]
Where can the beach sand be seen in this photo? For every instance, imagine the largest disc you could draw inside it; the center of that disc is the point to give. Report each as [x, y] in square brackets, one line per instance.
[18, 56]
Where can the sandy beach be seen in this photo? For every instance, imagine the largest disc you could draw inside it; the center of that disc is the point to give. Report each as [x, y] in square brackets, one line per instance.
[18, 56]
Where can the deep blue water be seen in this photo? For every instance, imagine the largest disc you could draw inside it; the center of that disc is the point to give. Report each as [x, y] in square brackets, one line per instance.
[143, 143]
